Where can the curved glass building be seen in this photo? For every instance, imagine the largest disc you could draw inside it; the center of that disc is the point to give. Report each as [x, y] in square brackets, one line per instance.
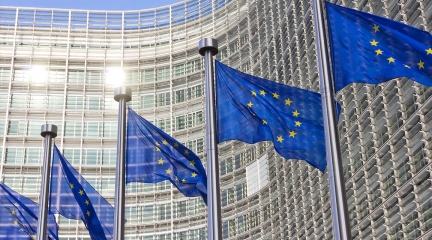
[60, 66]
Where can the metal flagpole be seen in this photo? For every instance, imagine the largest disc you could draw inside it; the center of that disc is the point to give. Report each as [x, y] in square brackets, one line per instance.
[48, 131]
[341, 224]
[208, 47]
[122, 95]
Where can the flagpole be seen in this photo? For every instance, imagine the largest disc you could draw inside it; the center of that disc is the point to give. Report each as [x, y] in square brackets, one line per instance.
[122, 95]
[208, 47]
[48, 131]
[341, 224]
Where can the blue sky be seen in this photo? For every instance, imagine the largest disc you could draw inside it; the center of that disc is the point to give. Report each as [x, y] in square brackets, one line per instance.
[90, 4]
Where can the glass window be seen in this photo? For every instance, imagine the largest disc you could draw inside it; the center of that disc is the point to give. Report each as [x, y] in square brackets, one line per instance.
[148, 75]
[75, 77]
[148, 101]
[180, 96]
[180, 122]
[92, 129]
[14, 156]
[17, 127]
[73, 129]
[108, 185]
[110, 129]
[34, 128]
[109, 157]
[37, 101]
[163, 99]
[34, 155]
[93, 103]
[148, 214]
[92, 156]
[72, 155]
[74, 102]
[31, 185]
[55, 102]
[19, 101]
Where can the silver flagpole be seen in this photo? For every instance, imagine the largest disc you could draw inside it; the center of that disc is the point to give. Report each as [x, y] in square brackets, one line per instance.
[341, 224]
[48, 131]
[208, 47]
[122, 95]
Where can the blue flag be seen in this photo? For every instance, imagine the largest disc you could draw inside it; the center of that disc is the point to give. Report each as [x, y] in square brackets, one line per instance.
[19, 217]
[153, 156]
[372, 49]
[252, 109]
[74, 198]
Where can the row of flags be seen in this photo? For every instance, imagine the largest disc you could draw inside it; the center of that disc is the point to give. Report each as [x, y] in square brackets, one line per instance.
[365, 49]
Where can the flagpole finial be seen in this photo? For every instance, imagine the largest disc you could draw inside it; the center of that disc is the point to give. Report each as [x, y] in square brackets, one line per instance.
[122, 92]
[50, 129]
[208, 44]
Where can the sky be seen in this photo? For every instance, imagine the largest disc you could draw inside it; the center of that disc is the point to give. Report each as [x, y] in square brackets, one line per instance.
[90, 4]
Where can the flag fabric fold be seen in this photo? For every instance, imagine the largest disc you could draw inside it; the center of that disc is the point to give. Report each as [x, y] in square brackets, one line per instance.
[74, 198]
[371, 49]
[19, 217]
[153, 156]
[252, 109]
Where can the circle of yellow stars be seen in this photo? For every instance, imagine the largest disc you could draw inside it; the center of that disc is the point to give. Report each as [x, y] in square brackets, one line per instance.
[288, 102]
[378, 52]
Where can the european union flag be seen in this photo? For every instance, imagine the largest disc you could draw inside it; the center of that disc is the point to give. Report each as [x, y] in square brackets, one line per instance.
[252, 109]
[74, 198]
[372, 49]
[19, 216]
[153, 156]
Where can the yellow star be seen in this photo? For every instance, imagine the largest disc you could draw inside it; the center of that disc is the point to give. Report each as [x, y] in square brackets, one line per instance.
[406, 66]
[71, 185]
[168, 171]
[192, 163]
[288, 102]
[183, 180]
[429, 51]
[88, 213]
[280, 139]
[390, 59]
[176, 145]
[275, 95]
[87, 202]
[157, 149]
[420, 64]
[160, 161]
[376, 28]
[292, 133]
[194, 174]
[164, 142]
[262, 92]
[297, 124]
[33, 237]
[157, 144]
[295, 114]
[176, 178]
[15, 222]
[21, 229]
[250, 104]
[379, 52]
[254, 93]
[81, 192]
[374, 43]
[13, 211]
[264, 122]
[186, 152]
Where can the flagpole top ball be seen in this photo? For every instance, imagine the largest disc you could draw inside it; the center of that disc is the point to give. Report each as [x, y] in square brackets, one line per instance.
[50, 129]
[122, 92]
[206, 44]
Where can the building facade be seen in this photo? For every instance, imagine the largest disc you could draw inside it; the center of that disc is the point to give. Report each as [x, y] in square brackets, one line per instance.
[60, 66]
